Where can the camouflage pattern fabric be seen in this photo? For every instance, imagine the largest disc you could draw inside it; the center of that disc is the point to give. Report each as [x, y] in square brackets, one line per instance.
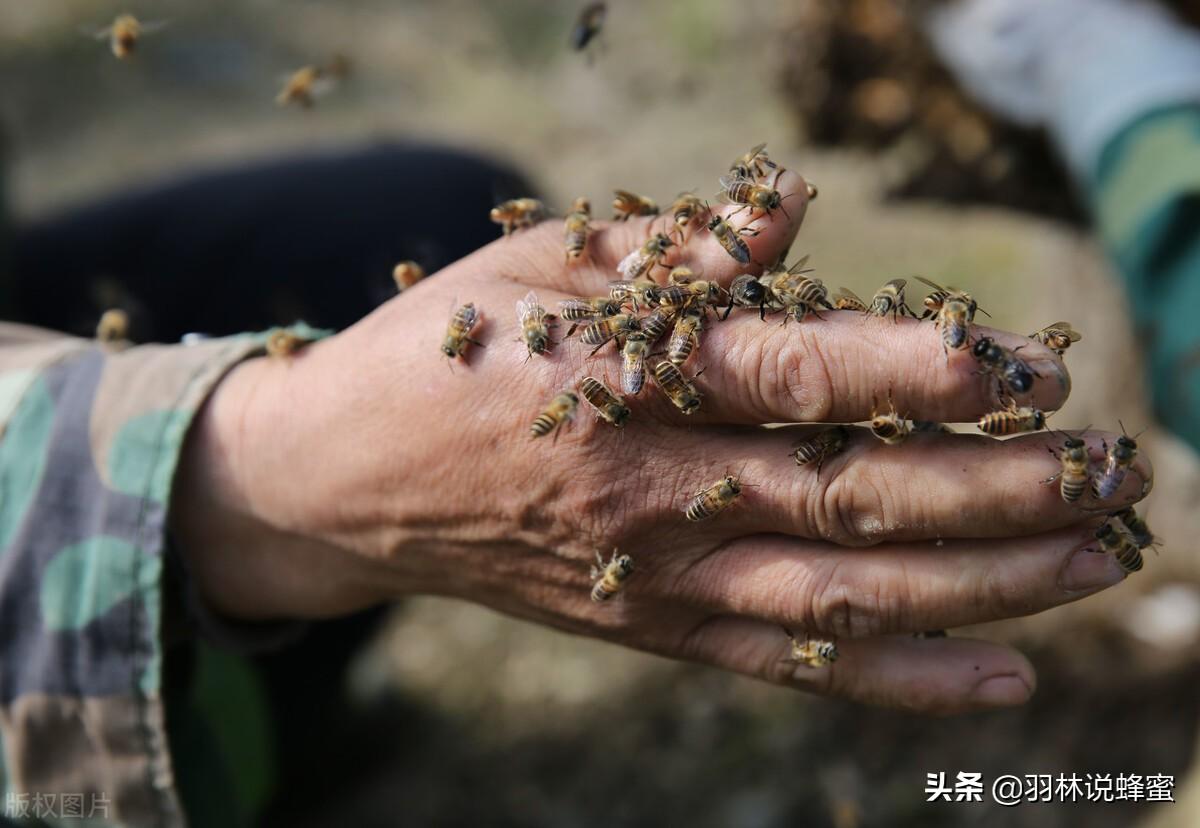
[89, 439]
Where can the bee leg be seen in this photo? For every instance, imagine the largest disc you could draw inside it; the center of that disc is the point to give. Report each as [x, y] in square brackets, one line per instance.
[1052, 478]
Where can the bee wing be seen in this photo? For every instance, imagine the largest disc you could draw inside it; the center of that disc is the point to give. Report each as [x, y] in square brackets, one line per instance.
[322, 86]
[525, 306]
[630, 263]
[933, 285]
[898, 283]
[152, 26]
[1066, 328]
[93, 32]
[626, 197]
[729, 181]
[798, 267]
[847, 293]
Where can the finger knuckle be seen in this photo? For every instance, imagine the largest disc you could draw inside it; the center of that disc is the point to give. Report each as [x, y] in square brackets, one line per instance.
[845, 607]
[849, 506]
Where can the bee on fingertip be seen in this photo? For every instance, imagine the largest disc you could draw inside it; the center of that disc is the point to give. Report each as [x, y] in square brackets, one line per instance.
[1074, 465]
[1118, 459]
[1057, 336]
[1012, 420]
[1120, 546]
[685, 208]
[640, 262]
[1010, 371]
[754, 164]
[846, 299]
[890, 299]
[535, 324]
[953, 312]
[731, 239]
[888, 425]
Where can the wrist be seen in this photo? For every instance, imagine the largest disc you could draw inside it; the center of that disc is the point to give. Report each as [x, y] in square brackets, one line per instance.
[233, 509]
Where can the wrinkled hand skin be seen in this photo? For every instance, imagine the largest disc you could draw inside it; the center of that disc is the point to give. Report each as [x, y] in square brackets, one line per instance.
[369, 466]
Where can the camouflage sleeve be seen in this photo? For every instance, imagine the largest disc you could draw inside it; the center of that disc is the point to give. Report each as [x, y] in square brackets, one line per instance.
[89, 439]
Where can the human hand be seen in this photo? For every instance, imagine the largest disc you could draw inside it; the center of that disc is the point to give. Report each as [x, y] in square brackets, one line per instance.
[366, 468]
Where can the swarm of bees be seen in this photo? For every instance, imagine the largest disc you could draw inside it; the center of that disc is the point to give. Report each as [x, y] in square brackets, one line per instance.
[656, 326]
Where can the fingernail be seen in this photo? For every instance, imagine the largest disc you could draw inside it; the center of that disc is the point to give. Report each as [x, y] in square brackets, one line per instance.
[1054, 371]
[1090, 571]
[1001, 691]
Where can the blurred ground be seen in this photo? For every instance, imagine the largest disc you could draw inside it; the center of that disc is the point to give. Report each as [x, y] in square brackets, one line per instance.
[510, 724]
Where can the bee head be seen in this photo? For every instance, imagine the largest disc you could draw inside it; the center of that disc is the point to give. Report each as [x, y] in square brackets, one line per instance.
[625, 564]
[981, 347]
[691, 405]
[829, 651]
[449, 351]
[1105, 531]
[1039, 419]
[619, 414]
[611, 308]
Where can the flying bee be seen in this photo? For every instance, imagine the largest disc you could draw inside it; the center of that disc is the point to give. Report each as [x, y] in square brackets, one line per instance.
[731, 239]
[754, 164]
[535, 324]
[640, 262]
[124, 32]
[608, 405]
[821, 445]
[633, 363]
[637, 292]
[610, 577]
[1009, 369]
[890, 299]
[1057, 337]
[1012, 420]
[1073, 476]
[588, 25]
[1120, 546]
[576, 227]
[890, 426]
[598, 333]
[685, 336]
[516, 213]
[560, 410]
[1118, 458]
[656, 323]
[739, 189]
[282, 343]
[113, 326]
[458, 332]
[678, 388]
[406, 274]
[717, 497]
[953, 312]
[310, 82]
[814, 652]
[685, 208]
[627, 204]
[846, 299]
[1137, 528]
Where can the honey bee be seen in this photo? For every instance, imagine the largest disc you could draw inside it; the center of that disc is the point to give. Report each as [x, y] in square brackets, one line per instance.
[1073, 476]
[637, 292]
[1118, 458]
[821, 445]
[576, 227]
[739, 189]
[1057, 337]
[685, 336]
[610, 578]
[953, 312]
[627, 204]
[588, 25]
[650, 255]
[685, 208]
[458, 332]
[535, 324]
[407, 274]
[310, 82]
[814, 652]
[282, 343]
[798, 293]
[560, 410]
[731, 239]
[124, 32]
[598, 333]
[608, 405]
[680, 390]
[1012, 420]
[1009, 369]
[889, 427]
[746, 291]
[113, 326]
[683, 291]
[846, 299]
[1135, 527]
[633, 363]
[717, 497]
[583, 308]
[890, 299]
[656, 323]
[516, 213]
[754, 164]
[1120, 546]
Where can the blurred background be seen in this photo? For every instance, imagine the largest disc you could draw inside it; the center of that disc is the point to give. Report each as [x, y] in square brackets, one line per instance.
[478, 719]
